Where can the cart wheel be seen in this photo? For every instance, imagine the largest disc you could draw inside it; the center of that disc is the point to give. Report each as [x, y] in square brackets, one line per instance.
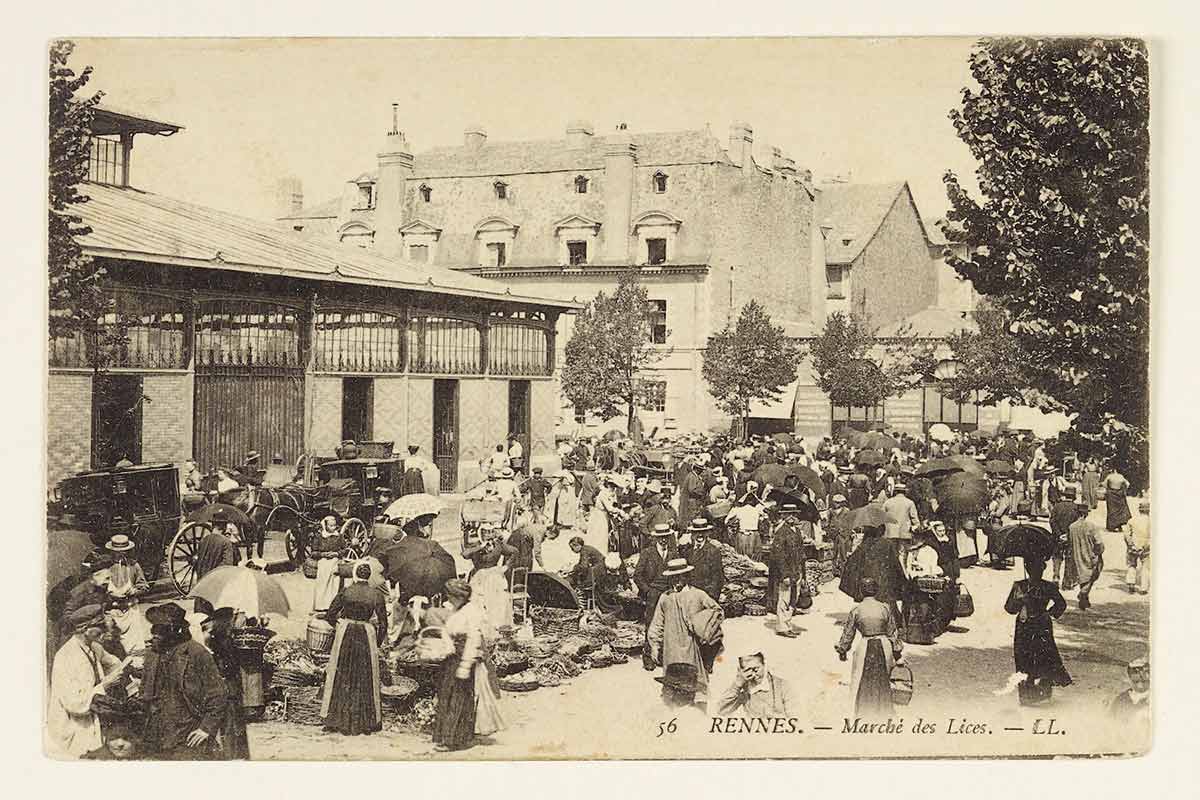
[183, 552]
[295, 545]
[354, 531]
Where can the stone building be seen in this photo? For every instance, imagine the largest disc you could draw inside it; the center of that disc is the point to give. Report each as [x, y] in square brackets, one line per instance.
[708, 225]
[243, 336]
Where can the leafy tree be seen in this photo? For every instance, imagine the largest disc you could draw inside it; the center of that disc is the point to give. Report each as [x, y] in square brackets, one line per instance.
[77, 300]
[990, 361]
[609, 349]
[857, 368]
[1060, 239]
[752, 361]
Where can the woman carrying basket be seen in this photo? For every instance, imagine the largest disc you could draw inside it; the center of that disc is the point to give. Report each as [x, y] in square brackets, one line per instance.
[351, 703]
[466, 703]
[1036, 602]
[875, 654]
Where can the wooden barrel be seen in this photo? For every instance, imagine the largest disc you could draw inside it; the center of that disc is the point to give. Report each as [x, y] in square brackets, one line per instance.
[319, 635]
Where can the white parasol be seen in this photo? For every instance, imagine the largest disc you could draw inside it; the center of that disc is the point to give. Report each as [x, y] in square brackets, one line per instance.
[941, 432]
[412, 506]
[244, 589]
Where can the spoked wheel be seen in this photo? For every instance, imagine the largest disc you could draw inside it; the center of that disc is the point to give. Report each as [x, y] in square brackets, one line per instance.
[295, 541]
[357, 537]
[183, 554]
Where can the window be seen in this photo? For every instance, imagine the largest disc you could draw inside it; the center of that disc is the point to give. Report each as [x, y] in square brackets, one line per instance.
[516, 349]
[359, 238]
[139, 331]
[581, 184]
[497, 254]
[576, 253]
[358, 395]
[106, 161]
[501, 190]
[658, 321]
[656, 251]
[660, 182]
[426, 192]
[959, 416]
[859, 417]
[652, 395]
[418, 253]
[356, 341]
[834, 289]
[366, 196]
[444, 345]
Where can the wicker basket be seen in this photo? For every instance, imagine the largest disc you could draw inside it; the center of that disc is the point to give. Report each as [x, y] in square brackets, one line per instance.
[319, 635]
[901, 679]
[302, 705]
[560, 622]
[309, 568]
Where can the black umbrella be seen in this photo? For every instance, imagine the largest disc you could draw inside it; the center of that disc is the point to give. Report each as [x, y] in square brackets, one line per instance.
[937, 467]
[998, 466]
[773, 474]
[808, 477]
[784, 438]
[782, 497]
[871, 458]
[872, 515]
[1030, 542]
[962, 493]
[418, 566]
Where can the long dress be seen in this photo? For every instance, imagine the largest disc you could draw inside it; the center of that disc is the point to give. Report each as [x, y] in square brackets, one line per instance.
[234, 743]
[874, 656]
[1036, 603]
[1115, 502]
[1089, 486]
[599, 520]
[454, 725]
[351, 703]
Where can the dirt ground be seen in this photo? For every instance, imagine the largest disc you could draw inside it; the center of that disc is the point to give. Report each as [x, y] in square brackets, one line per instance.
[617, 712]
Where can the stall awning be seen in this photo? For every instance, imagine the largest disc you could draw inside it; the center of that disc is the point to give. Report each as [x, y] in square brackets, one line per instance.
[780, 409]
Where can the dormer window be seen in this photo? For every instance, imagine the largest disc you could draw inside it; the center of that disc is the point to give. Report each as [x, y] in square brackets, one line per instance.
[656, 232]
[660, 182]
[426, 192]
[495, 238]
[576, 236]
[501, 190]
[581, 184]
[366, 196]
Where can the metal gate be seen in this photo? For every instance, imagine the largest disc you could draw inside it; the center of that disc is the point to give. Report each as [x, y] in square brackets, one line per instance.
[243, 408]
[445, 432]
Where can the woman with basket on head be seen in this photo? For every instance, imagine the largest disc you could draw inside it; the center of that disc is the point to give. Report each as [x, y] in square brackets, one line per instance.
[876, 653]
[467, 702]
[351, 703]
[327, 549]
[1036, 602]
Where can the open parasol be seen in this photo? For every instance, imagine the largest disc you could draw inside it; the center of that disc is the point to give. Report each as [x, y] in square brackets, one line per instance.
[872, 515]
[871, 458]
[880, 441]
[962, 493]
[968, 463]
[937, 467]
[853, 436]
[998, 467]
[1024, 540]
[232, 514]
[940, 432]
[773, 474]
[808, 478]
[614, 435]
[244, 589]
[412, 506]
[65, 554]
[418, 566]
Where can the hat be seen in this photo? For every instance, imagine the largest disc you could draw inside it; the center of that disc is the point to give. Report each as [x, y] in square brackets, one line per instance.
[869, 587]
[119, 543]
[219, 515]
[837, 498]
[901, 487]
[252, 456]
[1138, 665]
[506, 472]
[789, 508]
[679, 678]
[222, 614]
[537, 470]
[457, 587]
[677, 566]
[166, 614]
[86, 617]
[699, 525]
[661, 529]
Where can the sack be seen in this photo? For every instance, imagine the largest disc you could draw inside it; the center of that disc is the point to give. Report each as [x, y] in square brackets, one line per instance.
[434, 645]
[706, 624]
[965, 605]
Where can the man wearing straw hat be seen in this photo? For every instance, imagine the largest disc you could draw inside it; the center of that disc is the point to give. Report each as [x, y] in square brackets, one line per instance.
[649, 579]
[126, 576]
[709, 575]
[685, 621]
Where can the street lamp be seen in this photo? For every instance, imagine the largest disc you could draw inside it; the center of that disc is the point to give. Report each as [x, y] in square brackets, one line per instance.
[946, 369]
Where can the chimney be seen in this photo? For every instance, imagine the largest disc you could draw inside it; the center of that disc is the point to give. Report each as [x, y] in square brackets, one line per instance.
[579, 134]
[620, 160]
[289, 197]
[741, 146]
[474, 137]
[782, 164]
[395, 168]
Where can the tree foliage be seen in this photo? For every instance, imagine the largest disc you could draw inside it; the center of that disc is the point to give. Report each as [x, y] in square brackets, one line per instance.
[609, 348]
[77, 300]
[857, 368]
[990, 361]
[749, 362]
[1060, 240]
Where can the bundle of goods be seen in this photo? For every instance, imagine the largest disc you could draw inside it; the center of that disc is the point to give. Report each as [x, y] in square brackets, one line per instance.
[292, 663]
[557, 665]
[556, 621]
[401, 691]
[542, 646]
[525, 681]
[302, 705]
[418, 719]
[406, 662]
[510, 661]
[595, 625]
[574, 647]
[745, 582]
[756, 610]
[631, 637]
[605, 657]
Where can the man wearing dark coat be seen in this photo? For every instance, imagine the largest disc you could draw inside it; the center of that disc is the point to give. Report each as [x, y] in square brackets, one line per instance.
[692, 496]
[522, 541]
[536, 488]
[183, 691]
[215, 549]
[709, 572]
[658, 513]
[1062, 515]
[589, 559]
[648, 575]
[786, 559]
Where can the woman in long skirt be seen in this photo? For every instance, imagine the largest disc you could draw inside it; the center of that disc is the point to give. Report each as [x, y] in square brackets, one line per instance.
[1115, 501]
[1036, 602]
[351, 703]
[1090, 484]
[454, 725]
[874, 655]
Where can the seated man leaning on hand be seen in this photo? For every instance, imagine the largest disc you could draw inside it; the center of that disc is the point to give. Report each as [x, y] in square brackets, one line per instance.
[755, 692]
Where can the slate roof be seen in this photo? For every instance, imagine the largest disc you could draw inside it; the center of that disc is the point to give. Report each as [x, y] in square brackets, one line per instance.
[494, 159]
[139, 225]
[855, 210]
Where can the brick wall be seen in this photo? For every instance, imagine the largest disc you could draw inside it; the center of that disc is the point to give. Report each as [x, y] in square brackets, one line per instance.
[390, 421]
[325, 402]
[895, 268]
[68, 425]
[167, 418]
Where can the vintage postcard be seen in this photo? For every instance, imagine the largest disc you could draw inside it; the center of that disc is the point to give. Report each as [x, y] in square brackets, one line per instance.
[499, 399]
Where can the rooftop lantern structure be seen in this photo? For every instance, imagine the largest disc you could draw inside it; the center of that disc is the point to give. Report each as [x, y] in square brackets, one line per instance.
[112, 143]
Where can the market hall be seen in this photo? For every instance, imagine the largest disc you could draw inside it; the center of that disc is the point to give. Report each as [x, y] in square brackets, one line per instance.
[240, 335]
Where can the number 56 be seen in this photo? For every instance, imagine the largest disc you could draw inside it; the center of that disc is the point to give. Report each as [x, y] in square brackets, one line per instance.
[666, 727]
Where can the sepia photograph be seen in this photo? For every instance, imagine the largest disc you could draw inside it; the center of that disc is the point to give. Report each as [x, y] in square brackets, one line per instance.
[496, 399]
